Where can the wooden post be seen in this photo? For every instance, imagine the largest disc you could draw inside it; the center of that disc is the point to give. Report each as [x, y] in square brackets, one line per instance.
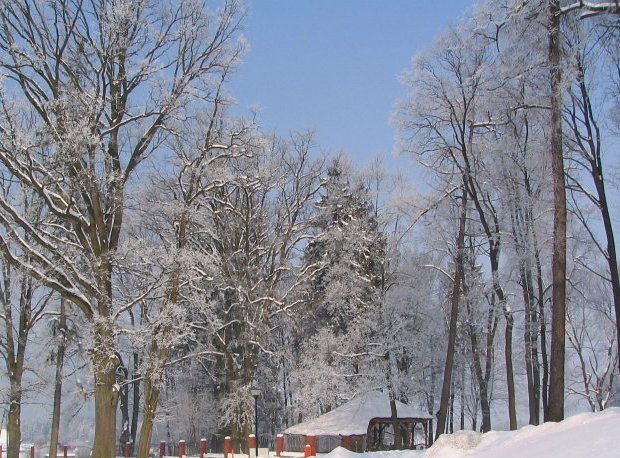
[346, 442]
[162, 449]
[311, 441]
[203, 447]
[279, 444]
[65, 451]
[181, 448]
[307, 451]
[227, 446]
[32, 451]
[430, 437]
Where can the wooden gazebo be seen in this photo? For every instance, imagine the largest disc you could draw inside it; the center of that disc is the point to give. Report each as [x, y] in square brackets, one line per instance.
[415, 433]
[364, 424]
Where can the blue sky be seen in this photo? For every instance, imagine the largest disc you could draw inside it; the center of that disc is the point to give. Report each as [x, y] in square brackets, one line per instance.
[333, 66]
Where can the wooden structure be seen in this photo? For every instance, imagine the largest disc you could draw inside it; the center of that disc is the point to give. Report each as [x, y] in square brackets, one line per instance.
[363, 424]
[415, 434]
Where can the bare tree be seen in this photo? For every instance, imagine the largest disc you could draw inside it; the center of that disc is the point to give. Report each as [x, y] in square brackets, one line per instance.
[585, 141]
[591, 335]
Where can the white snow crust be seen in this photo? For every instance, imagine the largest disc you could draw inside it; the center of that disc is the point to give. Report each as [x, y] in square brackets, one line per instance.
[352, 418]
[586, 435]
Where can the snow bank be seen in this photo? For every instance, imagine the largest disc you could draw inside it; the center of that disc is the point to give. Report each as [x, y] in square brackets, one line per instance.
[583, 435]
[454, 445]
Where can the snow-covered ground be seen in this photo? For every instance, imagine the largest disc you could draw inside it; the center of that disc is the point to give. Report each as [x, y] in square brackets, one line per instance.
[587, 435]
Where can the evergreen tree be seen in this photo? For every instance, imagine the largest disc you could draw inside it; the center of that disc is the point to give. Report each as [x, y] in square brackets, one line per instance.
[350, 248]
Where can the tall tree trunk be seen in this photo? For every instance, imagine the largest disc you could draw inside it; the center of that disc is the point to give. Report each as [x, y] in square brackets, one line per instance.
[13, 427]
[15, 353]
[558, 314]
[544, 389]
[60, 359]
[123, 396]
[398, 437]
[531, 351]
[135, 406]
[456, 296]
[499, 292]
[105, 362]
[462, 416]
[510, 380]
[151, 398]
[153, 381]
[106, 397]
[481, 377]
[451, 422]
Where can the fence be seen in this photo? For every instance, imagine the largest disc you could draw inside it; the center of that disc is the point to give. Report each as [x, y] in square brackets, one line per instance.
[310, 445]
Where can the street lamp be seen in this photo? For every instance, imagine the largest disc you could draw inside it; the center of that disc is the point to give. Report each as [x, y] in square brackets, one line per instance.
[255, 390]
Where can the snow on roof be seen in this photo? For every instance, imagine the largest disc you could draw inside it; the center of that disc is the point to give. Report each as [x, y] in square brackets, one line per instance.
[353, 417]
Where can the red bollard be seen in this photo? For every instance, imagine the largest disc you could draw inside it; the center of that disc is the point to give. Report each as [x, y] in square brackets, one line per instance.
[128, 449]
[346, 442]
[65, 451]
[311, 441]
[32, 451]
[227, 446]
[307, 451]
[0, 451]
[279, 444]
[251, 444]
[162, 449]
[181, 448]
[203, 447]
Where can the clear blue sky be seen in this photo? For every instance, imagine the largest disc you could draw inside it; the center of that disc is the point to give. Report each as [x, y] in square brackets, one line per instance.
[333, 65]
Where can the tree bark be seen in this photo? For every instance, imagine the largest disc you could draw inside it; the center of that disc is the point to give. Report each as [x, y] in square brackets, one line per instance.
[558, 315]
[13, 427]
[105, 363]
[151, 398]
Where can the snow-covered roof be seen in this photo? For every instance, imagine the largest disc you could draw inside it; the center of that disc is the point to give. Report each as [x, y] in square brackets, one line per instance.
[353, 417]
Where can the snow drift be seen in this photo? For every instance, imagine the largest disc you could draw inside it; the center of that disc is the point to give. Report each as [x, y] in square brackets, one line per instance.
[579, 436]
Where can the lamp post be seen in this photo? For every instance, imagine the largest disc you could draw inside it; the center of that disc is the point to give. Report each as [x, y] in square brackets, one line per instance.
[255, 390]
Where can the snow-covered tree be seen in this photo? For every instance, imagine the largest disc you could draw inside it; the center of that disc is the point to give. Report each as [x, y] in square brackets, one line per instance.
[89, 91]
